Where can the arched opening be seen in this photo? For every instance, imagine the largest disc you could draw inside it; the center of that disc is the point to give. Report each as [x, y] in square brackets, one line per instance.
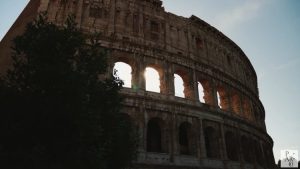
[222, 98]
[231, 146]
[247, 148]
[247, 109]
[207, 92]
[184, 138]
[244, 142]
[201, 93]
[154, 136]
[152, 80]
[179, 86]
[236, 103]
[211, 142]
[123, 71]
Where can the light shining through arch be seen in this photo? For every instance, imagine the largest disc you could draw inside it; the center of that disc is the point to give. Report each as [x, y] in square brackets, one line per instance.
[124, 73]
[201, 92]
[219, 99]
[179, 86]
[152, 80]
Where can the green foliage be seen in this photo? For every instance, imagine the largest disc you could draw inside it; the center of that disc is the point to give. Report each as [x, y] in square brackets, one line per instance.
[56, 111]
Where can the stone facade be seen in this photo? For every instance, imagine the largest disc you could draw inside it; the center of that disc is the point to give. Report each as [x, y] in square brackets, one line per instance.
[174, 132]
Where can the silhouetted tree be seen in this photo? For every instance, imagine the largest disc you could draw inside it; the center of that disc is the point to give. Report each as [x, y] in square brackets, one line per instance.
[57, 110]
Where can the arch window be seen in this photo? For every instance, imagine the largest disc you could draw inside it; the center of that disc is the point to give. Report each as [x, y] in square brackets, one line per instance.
[201, 92]
[154, 136]
[247, 147]
[184, 138]
[247, 109]
[211, 142]
[152, 80]
[179, 86]
[123, 71]
[231, 146]
[236, 103]
[205, 93]
[222, 98]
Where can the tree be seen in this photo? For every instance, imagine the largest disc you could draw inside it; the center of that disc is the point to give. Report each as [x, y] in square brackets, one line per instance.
[57, 110]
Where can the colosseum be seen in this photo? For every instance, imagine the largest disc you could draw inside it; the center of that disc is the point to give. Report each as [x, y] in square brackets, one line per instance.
[218, 120]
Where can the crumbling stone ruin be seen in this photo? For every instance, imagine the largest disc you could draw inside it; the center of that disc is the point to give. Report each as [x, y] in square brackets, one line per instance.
[222, 125]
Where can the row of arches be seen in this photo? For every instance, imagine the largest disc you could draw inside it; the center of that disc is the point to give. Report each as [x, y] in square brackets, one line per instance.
[237, 147]
[156, 137]
[183, 87]
[152, 77]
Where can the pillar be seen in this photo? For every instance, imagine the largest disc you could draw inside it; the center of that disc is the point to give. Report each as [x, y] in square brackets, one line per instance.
[173, 140]
[195, 81]
[223, 144]
[202, 140]
[214, 95]
[170, 79]
[138, 79]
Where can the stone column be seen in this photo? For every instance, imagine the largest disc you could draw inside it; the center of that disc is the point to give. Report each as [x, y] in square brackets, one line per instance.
[214, 95]
[208, 92]
[223, 143]
[170, 79]
[138, 79]
[141, 132]
[240, 149]
[173, 137]
[202, 140]
[195, 81]
[144, 138]
[189, 84]
[164, 77]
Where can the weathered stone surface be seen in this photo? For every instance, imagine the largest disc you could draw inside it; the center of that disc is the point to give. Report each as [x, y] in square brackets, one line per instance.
[190, 134]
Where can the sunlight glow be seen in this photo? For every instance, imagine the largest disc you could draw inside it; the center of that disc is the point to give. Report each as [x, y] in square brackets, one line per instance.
[219, 99]
[152, 80]
[124, 73]
[201, 92]
[179, 87]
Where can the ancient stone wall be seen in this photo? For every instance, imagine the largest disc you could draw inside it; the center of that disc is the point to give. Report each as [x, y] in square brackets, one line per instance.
[224, 129]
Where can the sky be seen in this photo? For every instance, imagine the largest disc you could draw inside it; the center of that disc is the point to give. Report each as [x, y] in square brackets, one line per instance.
[268, 31]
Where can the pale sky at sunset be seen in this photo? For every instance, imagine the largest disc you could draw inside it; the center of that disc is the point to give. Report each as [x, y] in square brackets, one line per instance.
[268, 31]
